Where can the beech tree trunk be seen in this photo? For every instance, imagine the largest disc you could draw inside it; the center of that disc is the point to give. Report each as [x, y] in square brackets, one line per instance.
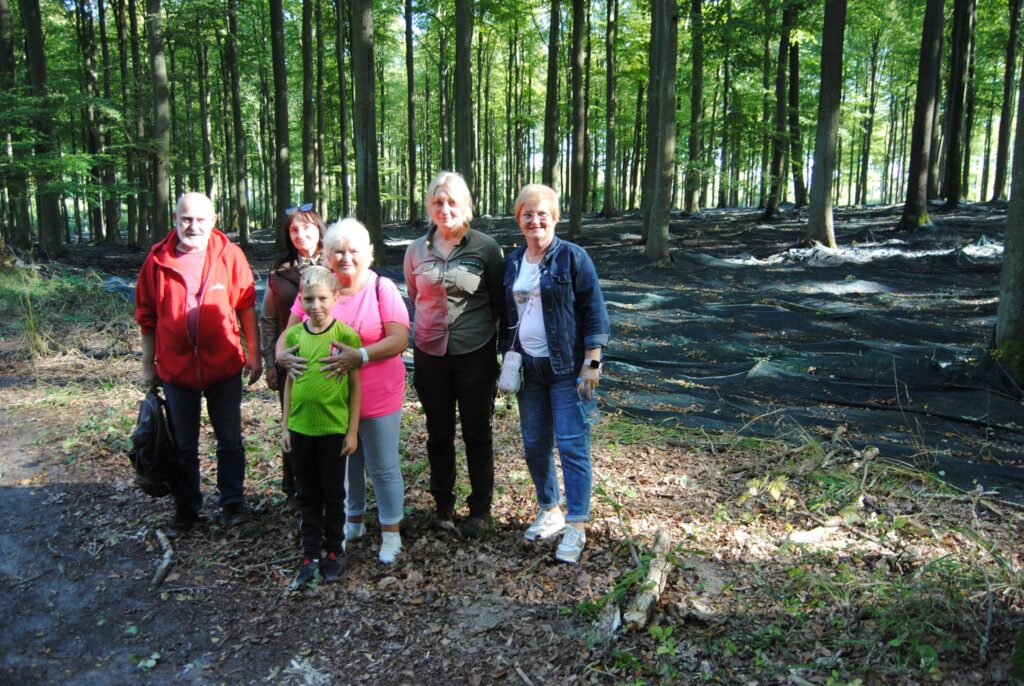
[1010, 312]
[142, 174]
[960, 41]
[796, 145]
[611, 27]
[308, 121]
[161, 130]
[241, 172]
[282, 152]
[18, 225]
[780, 139]
[664, 42]
[346, 201]
[915, 208]
[363, 79]
[410, 103]
[464, 90]
[695, 141]
[819, 217]
[576, 177]
[1005, 111]
[130, 143]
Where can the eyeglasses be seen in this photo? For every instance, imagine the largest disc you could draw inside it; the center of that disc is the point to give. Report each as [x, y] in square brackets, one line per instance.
[305, 207]
[530, 216]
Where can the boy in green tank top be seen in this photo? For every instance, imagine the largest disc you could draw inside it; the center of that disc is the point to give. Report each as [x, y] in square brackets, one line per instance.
[320, 428]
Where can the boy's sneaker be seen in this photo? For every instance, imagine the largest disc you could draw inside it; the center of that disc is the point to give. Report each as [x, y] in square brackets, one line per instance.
[334, 568]
[307, 573]
[571, 547]
[547, 524]
[354, 530]
[390, 546]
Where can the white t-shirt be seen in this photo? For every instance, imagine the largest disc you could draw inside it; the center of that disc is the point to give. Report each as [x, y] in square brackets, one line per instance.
[526, 291]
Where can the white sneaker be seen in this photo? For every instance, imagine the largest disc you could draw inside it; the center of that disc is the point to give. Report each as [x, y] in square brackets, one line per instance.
[354, 530]
[390, 546]
[547, 524]
[571, 547]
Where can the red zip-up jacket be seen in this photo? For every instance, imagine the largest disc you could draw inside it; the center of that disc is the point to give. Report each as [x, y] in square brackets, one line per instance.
[160, 308]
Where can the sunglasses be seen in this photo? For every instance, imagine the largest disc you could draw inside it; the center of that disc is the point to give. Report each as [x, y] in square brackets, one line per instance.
[305, 207]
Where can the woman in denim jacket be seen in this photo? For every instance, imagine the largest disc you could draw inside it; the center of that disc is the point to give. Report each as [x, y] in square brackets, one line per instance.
[555, 315]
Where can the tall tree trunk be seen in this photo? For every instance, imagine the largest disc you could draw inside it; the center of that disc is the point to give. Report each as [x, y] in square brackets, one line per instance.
[869, 122]
[410, 106]
[965, 176]
[963, 28]
[987, 161]
[346, 203]
[205, 125]
[130, 143]
[321, 188]
[142, 173]
[308, 121]
[47, 197]
[695, 141]
[367, 180]
[108, 172]
[611, 28]
[915, 209]
[766, 108]
[664, 36]
[464, 90]
[161, 109]
[634, 168]
[819, 216]
[241, 172]
[549, 166]
[18, 221]
[724, 184]
[796, 145]
[93, 136]
[780, 139]
[444, 116]
[172, 86]
[1006, 111]
[1010, 312]
[576, 177]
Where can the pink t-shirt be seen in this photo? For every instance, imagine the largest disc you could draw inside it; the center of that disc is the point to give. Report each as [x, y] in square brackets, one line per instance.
[383, 381]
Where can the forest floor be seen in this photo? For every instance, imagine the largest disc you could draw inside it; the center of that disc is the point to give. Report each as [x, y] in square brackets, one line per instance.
[822, 436]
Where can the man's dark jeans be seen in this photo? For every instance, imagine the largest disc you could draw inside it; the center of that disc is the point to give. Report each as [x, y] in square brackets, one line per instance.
[224, 405]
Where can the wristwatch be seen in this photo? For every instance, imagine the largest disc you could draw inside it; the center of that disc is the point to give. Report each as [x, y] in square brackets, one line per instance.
[365, 355]
[594, 364]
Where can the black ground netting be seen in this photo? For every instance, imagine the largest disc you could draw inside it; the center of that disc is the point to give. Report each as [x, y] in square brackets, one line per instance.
[744, 331]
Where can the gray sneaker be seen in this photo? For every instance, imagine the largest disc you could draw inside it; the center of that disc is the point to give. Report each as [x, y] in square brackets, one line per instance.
[571, 547]
[547, 524]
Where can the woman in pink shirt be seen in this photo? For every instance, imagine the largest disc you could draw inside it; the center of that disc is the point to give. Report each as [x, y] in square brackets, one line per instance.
[373, 306]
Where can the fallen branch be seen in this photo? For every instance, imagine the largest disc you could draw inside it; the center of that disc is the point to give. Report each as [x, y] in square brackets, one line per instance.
[639, 612]
[165, 563]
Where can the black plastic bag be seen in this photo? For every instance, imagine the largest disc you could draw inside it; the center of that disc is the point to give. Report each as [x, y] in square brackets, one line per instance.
[152, 452]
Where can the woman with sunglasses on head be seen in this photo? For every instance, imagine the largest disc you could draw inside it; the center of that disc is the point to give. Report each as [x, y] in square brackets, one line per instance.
[305, 230]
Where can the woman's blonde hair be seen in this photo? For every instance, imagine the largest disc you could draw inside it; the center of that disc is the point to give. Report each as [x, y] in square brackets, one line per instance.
[537, 191]
[349, 228]
[458, 190]
[316, 275]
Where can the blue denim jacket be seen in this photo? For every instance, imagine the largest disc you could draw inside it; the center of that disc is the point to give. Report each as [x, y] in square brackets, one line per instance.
[575, 318]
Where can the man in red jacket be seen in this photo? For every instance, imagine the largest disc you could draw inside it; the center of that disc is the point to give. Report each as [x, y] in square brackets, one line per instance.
[195, 295]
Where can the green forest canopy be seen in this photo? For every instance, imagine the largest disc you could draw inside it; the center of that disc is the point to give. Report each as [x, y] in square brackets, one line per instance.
[100, 157]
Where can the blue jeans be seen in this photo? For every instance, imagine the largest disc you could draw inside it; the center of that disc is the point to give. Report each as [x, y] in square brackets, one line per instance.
[552, 412]
[224, 405]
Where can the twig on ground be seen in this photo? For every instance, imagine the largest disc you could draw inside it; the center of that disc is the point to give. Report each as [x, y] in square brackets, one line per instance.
[639, 612]
[22, 582]
[165, 563]
[522, 675]
[983, 648]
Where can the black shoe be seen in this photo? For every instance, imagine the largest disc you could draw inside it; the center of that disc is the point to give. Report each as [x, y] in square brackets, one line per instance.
[235, 515]
[307, 573]
[334, 567]
[184, 521]
[475, 526]
[444, 519]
